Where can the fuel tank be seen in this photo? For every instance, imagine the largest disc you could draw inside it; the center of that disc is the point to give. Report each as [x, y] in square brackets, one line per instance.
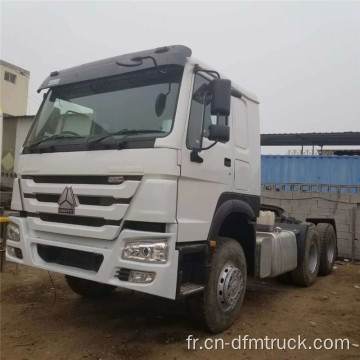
[276, 252]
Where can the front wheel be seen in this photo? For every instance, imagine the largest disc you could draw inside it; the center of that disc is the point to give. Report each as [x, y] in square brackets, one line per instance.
[88, 288]
[218, 306]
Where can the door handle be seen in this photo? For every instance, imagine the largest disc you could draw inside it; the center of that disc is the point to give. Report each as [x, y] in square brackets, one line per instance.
[227, 162]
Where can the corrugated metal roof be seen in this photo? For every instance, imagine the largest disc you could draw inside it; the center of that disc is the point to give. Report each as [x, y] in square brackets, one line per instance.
[319, 139]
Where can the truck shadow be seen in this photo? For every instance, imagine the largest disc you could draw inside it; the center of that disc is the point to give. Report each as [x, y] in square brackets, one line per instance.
[126, 318]
[131, 316]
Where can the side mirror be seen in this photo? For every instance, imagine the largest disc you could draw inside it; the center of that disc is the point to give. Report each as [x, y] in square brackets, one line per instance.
[220, 97]
[160, 104]
[219, 133]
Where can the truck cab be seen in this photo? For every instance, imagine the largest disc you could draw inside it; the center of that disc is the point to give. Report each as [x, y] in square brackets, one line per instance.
[142, 171]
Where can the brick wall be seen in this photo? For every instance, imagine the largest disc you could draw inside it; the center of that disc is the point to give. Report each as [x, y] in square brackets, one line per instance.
[338, 206]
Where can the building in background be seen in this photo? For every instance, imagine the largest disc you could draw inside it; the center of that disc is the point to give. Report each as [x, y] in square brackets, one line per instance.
[15, 129]
[325, 184]
[14, 88]
[14, 124]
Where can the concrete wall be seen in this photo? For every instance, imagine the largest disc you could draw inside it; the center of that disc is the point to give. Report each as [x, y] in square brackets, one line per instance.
[13, 97]
[339, 206]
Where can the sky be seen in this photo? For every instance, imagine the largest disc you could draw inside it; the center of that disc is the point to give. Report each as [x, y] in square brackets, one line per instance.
[302, 59]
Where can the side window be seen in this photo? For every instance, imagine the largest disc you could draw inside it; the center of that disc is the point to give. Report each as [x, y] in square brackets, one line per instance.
[200, 109]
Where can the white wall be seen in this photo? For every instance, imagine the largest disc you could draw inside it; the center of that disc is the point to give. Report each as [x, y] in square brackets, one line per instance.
[13, 97]
[22, 129]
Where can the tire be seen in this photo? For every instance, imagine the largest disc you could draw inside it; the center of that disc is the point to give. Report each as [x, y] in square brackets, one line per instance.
[328, 245]
[89, 289]
[218, 306]
[307, 270]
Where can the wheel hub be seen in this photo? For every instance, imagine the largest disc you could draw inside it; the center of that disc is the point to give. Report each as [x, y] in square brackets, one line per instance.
[331, 249]
[230, 286]
[313, 258]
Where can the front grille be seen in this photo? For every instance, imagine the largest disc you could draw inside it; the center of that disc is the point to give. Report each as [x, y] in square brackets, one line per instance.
[84, 200]
[76, 220]
[69, 257]
[91, 201]
[145, 226]
[77, 179]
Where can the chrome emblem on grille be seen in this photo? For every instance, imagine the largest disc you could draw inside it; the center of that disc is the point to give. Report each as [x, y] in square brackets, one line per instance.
[67, 201]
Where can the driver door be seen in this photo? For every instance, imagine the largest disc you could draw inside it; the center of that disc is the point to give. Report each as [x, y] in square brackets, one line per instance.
[201, 184]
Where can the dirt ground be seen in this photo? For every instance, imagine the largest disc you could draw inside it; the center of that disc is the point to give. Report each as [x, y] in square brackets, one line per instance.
[136, 326]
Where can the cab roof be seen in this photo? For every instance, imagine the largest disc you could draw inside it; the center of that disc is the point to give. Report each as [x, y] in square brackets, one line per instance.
[117, 65]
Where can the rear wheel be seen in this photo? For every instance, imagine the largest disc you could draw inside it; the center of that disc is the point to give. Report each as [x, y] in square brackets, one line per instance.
[88, 288]
[328, 246]
[218, 306]
[307, 270]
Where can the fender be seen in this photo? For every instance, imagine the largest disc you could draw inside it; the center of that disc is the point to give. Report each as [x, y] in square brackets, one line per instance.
[300, 231]
[195, 258]
[229, 203]
[316, 221]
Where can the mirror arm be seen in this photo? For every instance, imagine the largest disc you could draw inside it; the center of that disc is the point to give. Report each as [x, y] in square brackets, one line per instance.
[198, 68]
[194, 155]
[141, 58]
[208, 147]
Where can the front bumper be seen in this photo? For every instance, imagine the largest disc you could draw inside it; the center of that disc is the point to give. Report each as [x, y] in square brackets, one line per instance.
[163, 285]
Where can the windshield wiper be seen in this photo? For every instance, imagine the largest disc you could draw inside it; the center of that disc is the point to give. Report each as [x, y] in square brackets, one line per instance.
[125, 132]
[55, 137]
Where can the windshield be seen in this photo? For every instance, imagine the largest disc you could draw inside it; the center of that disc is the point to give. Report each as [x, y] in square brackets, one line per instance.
[125, 108]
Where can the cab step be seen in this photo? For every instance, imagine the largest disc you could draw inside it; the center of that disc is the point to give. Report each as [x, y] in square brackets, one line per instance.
[190, 289]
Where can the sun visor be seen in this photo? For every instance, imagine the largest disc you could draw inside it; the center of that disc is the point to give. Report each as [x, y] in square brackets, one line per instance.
[168, 55]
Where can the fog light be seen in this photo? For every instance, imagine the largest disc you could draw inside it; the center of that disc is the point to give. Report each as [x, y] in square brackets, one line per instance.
[141, 276]
[14, 252]
[12, 232]
[146, 251]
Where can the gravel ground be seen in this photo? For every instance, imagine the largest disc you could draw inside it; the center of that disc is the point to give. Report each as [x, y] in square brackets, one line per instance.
[137, 326]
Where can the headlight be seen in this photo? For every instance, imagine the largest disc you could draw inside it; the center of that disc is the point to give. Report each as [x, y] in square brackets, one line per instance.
[12, 232]
[146, 251]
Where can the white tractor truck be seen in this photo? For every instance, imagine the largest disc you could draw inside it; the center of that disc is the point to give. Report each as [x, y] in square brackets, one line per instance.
[142, 171]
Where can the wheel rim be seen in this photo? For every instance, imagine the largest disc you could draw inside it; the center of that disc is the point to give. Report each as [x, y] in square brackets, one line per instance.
[330, 252]
[313, 258]
[230, 286]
